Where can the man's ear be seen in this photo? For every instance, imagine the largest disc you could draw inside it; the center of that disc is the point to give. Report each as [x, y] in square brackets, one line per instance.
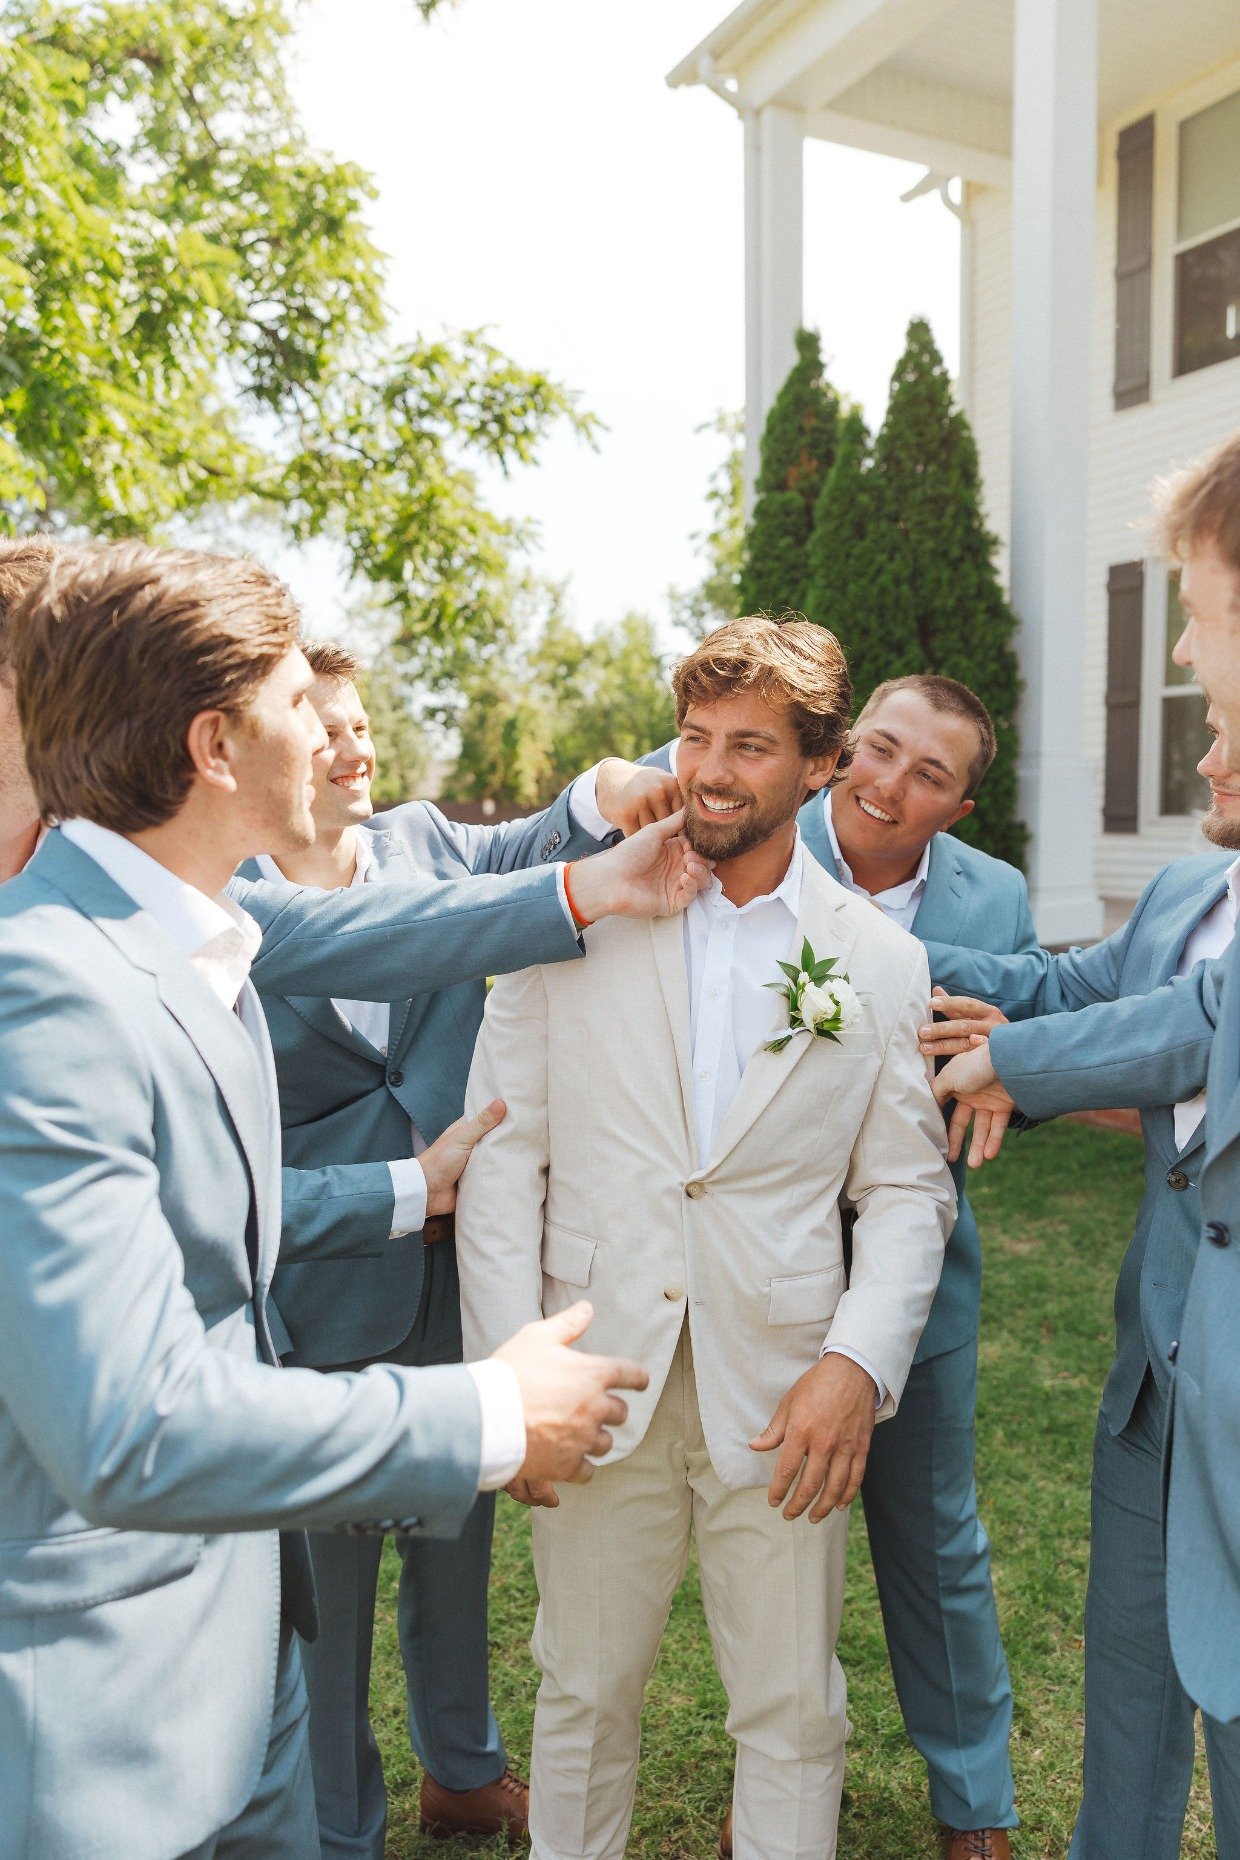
[820, 771]
[209, 744]
[966, 807]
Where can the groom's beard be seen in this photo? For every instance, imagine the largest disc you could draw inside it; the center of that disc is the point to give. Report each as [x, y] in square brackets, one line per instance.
[1221, 828]
[739, 833]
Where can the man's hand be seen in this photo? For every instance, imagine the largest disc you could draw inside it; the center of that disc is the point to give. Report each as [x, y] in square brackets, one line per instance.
[972, 1081]
[567, 1398]
[631, 796]
[653, 874]
[533, 1492]
[822, 1428]
[968, 1020]
[443, 1161]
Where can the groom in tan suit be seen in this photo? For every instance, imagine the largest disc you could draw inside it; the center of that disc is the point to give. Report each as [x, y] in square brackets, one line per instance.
[661, 1160]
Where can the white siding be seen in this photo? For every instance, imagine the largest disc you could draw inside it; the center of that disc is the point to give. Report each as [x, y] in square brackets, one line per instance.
[1129, 450]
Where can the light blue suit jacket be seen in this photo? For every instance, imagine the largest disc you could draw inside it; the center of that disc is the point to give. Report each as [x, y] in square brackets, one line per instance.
[968, 897]
[149, 1453]
[1140, 957]
[344, 1288]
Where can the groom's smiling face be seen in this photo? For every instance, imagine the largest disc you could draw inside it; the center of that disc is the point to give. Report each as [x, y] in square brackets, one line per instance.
[743, 774]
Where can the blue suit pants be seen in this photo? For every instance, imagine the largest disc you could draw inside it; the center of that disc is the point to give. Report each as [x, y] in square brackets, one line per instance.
[278, 1822]
[441, 1619]
[931, 1560]
[1138, 1717]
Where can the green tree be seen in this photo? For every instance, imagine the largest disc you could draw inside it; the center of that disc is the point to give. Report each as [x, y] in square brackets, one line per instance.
[402, 753]
[858, 568]
[717, 597]
[537, 714]
[798, 446]
[193, 315]
[928, 485]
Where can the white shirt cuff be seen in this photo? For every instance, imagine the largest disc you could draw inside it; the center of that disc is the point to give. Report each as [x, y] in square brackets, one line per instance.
[409, 1194]
[565, 906]
[854, 1356]
[583, 805]
[503, 1423]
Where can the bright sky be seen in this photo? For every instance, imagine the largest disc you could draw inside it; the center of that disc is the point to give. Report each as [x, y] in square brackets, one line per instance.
[536, 175]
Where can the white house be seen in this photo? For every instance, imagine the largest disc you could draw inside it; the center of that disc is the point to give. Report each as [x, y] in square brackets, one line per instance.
[1097, 147]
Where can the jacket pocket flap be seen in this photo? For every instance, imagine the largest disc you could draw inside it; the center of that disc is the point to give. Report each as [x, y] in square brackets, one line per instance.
[566, 1255]
[806, 1298]
[43, 1575]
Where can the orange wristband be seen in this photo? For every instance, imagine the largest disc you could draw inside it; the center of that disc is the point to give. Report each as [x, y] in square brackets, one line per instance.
[582, 923]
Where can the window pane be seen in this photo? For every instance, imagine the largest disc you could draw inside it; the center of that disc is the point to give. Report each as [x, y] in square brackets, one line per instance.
[1207, 303]
[1209, 169]
[1185, 741]
[1177, 620]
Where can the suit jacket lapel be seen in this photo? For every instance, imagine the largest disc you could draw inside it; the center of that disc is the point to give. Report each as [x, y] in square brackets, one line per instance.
[325, 1017]
[819, 920]
[667, 937]
[942, 908]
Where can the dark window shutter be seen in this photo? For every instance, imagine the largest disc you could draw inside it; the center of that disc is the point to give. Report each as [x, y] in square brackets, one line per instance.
[1134, 235]
[1125, 591]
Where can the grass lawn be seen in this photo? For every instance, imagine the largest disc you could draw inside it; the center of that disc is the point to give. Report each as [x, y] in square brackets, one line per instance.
[1055, 1214]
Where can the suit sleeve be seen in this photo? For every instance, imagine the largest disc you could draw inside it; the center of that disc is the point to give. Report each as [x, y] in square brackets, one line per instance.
[516, 845]
[388, 942]
[499, 1213]
[1145, 1051]
[899, 1182]
[137, 1416]
[660, 758]
[1032, 981]
[342, 1212]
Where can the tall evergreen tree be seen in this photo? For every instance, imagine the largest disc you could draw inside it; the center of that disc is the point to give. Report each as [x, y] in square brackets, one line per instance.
[798, 447]
[928, 484]
[858, 584]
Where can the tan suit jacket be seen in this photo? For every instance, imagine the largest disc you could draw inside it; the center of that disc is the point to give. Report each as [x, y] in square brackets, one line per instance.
[592, 1186]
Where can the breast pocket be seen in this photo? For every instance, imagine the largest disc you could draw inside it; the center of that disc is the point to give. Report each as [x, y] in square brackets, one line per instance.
[806, 1297]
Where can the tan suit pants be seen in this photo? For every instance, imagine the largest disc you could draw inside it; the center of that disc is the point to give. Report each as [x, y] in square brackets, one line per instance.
[608, 1562]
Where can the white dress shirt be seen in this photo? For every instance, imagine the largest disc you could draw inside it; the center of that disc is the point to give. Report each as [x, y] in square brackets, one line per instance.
[899, 902]
[731, 953]
[221, 941]
[1211, 937]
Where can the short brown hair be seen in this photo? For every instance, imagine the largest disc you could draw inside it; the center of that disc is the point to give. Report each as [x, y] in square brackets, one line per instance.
[335, 663]
[114, 653]
[952, 698]
[24, 560]
[1202, 505]
[794, 666]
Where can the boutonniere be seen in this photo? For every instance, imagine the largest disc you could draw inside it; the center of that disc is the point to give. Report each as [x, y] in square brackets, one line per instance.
[820, 1002]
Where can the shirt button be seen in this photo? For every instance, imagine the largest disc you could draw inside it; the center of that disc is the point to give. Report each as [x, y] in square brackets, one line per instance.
[695, 1190]
[673, 1293]
[1217, 1234]
[1177, 1179]
[396, 1078]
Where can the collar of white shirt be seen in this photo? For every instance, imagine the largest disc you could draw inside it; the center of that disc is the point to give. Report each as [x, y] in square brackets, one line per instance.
[363, 863]
[787, 892]
[220, 939]
[898, 897]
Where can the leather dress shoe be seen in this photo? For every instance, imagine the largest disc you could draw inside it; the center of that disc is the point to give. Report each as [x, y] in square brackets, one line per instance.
[725, 1836]
[976, 1844]
[500, 1807]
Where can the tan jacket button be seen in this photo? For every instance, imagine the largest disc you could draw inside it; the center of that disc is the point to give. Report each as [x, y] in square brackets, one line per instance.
[673, 1293]
[695, 1190]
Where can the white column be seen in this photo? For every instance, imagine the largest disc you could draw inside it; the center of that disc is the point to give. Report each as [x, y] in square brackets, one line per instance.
[1054, 163]
[773, 252]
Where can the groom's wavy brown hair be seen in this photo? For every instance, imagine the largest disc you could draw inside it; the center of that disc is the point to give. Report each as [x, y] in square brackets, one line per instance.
[799, 669]
[115, 650]
[1202, 505]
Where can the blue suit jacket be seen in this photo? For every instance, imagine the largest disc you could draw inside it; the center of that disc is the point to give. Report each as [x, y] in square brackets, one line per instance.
[345, 1290]
[1140, 957]
[150, 1452]
[1203, 1474]
[972, 898]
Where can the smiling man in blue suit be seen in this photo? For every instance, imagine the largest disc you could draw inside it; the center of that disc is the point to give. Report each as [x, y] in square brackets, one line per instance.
[151, 1450]
[922, 745]
[372, 1083]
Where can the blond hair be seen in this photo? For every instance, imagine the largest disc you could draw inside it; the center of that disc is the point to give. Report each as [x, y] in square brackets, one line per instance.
[24, 560]
[796, 667]
[1202, 505]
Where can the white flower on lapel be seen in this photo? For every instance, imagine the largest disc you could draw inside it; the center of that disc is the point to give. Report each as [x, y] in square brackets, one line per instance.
[820, 1002]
